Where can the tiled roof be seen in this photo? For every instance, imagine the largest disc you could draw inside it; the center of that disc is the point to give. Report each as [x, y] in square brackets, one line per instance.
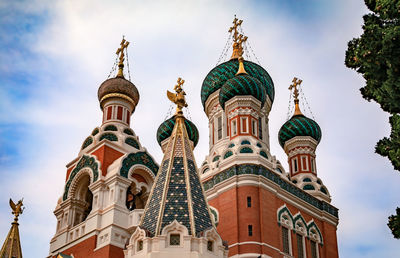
[177, 193]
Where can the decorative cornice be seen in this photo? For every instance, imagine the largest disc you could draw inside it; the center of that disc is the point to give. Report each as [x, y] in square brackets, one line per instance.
[251, 169]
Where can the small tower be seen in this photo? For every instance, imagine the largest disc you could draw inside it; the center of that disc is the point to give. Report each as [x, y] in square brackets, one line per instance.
[299, 137]
[12, 245]
[260, 212]
[177, 221]
[108, 183]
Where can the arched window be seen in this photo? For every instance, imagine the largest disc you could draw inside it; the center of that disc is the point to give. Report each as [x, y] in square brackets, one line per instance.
[83, 197]
[134, 198]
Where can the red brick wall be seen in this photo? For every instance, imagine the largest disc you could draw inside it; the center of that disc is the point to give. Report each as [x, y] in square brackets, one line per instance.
[106, 156]
[235, 216]
[85, 249]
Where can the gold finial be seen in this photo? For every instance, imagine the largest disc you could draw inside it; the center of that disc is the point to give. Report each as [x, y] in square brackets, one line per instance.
[120, 51]
[17, 208]
[296, 82]
[179, 97]
[238, 39]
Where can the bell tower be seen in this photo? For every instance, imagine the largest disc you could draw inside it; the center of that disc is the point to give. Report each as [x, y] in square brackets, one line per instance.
[108, 183]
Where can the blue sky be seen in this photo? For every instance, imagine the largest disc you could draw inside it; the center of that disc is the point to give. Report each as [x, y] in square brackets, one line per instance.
[55, 54]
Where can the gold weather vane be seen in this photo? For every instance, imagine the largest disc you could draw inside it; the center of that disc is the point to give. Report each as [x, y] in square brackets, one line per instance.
[179, 97]
[17, 208]
[120, 51]
[296, 83]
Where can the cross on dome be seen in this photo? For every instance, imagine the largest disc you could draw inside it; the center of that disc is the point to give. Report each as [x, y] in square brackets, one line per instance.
[238, 39]
[295, 84]
[120, 51]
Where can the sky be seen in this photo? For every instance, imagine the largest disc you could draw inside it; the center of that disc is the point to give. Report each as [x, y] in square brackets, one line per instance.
[55, 54]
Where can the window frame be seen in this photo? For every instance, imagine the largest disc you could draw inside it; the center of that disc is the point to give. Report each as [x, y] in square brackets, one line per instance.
[170, 243]
[234, 129]
[289, 240]
[250, 230]
[304, 163]
[254, 127]
[295, 165]
[244, 121]
[315, 244]
[219, 128]
[249, 202]
[303, 247]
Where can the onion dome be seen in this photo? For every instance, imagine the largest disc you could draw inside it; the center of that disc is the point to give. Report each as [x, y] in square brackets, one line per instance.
[218, 76]
[165, 130]
[242, 84]
[118, 87]
[299, 125]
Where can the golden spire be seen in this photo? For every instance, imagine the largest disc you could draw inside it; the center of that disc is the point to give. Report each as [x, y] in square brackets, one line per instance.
[12, 245]
[296, 82]
[179, 97]
[120, 51]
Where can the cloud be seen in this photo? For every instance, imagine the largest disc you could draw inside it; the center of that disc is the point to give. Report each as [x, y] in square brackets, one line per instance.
[65, 49]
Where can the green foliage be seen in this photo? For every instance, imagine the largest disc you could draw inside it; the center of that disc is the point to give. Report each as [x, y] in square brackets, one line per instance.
[394, 223]
[390, 147]
[376, 55]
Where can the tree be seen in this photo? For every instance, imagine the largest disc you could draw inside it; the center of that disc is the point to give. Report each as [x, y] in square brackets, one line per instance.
[394, 223]
[376, 55]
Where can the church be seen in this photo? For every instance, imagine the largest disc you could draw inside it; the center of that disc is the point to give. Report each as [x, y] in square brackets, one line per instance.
[118, 201]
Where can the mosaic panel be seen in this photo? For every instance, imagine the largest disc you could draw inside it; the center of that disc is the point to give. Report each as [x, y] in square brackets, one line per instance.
[200, 211]
[132, 142]
[85, 161]
[128, 131]
[149, 221]
[87, 142]
[138, 158]
[176, 204]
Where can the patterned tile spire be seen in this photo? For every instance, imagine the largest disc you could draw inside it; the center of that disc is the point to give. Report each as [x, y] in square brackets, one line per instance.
[177, 193]
[12, 245]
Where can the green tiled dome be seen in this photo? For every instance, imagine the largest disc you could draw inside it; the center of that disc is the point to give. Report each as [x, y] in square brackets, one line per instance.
[242, 84]
[217, 77]
[165, 130]
[299, 125]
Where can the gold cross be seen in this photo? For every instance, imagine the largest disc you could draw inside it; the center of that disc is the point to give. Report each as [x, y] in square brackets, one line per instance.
[120, 51]
[178, 87]
[296, 82]
[236, 23]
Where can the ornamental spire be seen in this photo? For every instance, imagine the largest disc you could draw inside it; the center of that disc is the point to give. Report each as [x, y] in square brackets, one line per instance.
[296, 82]
[120, 51]
[179, 97]
[177, 193]
[12, 245]
[238, 39]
